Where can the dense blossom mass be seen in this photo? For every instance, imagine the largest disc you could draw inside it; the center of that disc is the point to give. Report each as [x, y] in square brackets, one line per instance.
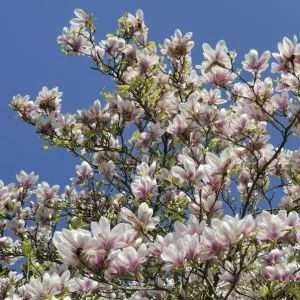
[178, 192]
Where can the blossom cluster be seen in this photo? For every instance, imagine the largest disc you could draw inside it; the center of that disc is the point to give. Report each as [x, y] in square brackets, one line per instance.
[179, 192]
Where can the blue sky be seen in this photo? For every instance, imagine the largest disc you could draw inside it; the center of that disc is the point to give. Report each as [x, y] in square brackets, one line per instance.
[30, 58]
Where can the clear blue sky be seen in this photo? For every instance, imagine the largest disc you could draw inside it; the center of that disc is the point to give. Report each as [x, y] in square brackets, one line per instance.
[30, 57]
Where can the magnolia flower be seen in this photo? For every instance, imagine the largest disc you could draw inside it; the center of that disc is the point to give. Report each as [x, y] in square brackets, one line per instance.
[144, 221]
[82, 17]
[255, 65]
[134, 24]
[146, 170]
[191, 227]
[217, 57]
[220, 76]
[179, 46]
[75, 246]
[113, 44]
[145, 62]
[169, 104]
[281, 272]
[47, 195]
[48, 286]
[132, 259]
[97, 53]
[269, 227]
[143, 187]
[174, 254]
[189, 172]
[82, 286]
[49, 100]
[229, 272]
[26, 180]
[109, 239]
[286, 50]
[80, 44]
[282, 102]
[156, 129]
[45, 124]
[107, 169]
[83, 171]
[18, 226]
[178, 126]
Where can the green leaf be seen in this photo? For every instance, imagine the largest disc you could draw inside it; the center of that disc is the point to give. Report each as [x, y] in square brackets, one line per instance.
[295, 291]
[136, 135]
[46, 146]
[265, 246]
[265, 290]
[59, 144]
[124, 88]
[151, 43]
[76, 222]
[65, 51]
[109, 35]
[26, 248]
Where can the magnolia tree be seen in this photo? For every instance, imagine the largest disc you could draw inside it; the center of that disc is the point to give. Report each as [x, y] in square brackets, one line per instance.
[176, 192]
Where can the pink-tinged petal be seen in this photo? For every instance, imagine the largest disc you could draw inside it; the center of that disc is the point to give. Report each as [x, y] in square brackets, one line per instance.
[144, 212]
[178, 36]
[79, 13]
[127, 214]
[288, 47]
[208, 52]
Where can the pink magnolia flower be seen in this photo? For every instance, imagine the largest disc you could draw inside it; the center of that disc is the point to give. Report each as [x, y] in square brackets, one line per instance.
[282, 102]
[26, 180]
[49, 100]
[49, 285]
[76, 246]
[228, 230]
[67, 33]
[220, 77]
[193, 247]
[178, 46]
[107, 169]
[178, 126]
[144, 221]
[143, 187]
[47, 195]
[229, 271]
[281, 272]
[83, 171]
[113, 44]
[134, 25]
[156, 129]
[275, 257]
[286, 50]
[169, 104]
[82, 17]
[269, 227]
[209, 205]
[17, 226]
[156, 248]
[174, 255]
[189, 172]
[217, 57]
[79, 43]
[255, 65]
[110, 239]
[132, 259]
[191, 227]
[97, 53]
[80, 286]
[145, 170]
[146, 62]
